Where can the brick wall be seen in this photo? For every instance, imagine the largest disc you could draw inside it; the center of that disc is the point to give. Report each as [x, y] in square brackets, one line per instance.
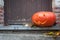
[56, 9]
[1, 15]
[1, 12]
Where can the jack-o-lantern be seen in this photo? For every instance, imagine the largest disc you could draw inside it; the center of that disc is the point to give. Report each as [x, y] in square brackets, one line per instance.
[43, 18]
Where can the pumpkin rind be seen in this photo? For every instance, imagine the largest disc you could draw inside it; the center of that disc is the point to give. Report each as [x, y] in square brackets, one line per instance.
[44, 18]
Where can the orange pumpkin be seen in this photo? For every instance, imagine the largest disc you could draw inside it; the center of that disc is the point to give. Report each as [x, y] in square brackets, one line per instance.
[44, 18]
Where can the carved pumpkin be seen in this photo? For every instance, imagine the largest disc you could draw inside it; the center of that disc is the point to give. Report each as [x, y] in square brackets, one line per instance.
[44, 18]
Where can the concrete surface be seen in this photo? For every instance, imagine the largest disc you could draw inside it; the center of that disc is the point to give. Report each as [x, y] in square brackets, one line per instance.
[24, 37]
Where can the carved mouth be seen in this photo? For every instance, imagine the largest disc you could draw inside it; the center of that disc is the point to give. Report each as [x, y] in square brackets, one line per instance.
[43, 21]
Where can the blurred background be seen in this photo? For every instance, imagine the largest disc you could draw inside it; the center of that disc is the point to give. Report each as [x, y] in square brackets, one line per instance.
[20, 12]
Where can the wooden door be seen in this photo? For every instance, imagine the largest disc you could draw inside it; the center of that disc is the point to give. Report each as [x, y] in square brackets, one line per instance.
[20, 11]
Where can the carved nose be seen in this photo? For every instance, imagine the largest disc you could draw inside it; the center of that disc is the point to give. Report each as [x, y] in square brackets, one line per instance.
[43, 14]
